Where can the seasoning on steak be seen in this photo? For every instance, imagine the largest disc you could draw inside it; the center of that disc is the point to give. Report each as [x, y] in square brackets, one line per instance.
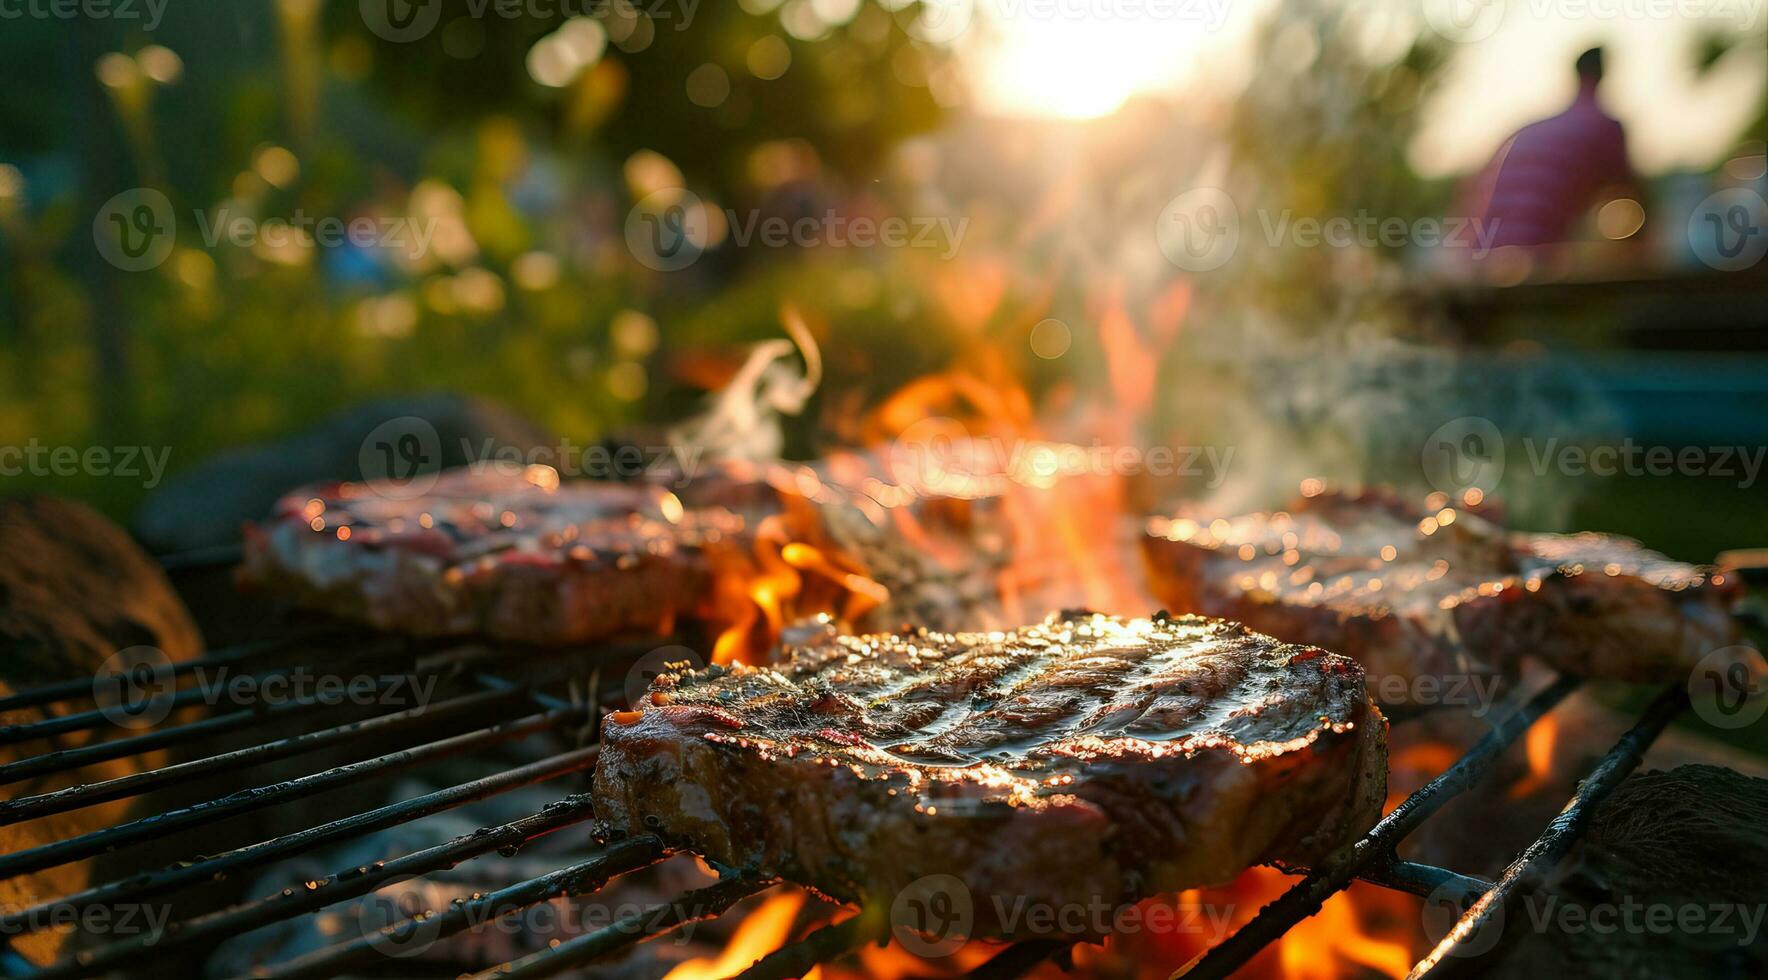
[509, 553]
[1441, 592]
[1087, 759]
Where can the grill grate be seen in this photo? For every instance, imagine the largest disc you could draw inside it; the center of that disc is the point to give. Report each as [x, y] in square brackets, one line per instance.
[1371, 859]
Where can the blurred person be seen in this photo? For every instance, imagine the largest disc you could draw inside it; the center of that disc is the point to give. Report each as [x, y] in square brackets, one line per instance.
[1545, 177]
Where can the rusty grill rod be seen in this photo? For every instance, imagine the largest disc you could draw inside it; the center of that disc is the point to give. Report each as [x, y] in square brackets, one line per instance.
[1376, 847]
[111, 838]
[75, 797]
[701, 903]
[1531, 867]
[330, 890]
[263, 852]
[431, 926]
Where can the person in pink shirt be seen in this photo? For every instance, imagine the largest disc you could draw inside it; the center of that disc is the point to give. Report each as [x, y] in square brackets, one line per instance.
[1544, 178]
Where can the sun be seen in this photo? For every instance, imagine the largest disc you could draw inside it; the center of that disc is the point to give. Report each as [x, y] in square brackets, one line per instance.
[1072, 61]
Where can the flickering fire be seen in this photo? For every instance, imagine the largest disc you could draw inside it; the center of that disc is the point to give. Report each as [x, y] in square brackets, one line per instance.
[1538, 746]
[980, 461]
[761, 931]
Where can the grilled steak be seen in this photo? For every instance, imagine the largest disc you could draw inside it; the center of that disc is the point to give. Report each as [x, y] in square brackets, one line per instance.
[1087, 759]
[511, 554]
[1439, 592]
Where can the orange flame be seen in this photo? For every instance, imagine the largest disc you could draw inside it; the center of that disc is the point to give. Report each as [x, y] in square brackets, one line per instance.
[761, 932]
[1318, 948]
[1538, 748]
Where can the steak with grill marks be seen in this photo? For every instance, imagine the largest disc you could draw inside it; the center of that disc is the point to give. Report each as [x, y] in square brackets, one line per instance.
[1087, 759]
[1437, 592]
[509, 553]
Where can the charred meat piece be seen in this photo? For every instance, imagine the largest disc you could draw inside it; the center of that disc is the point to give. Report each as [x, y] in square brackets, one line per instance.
[1426, 594]
[508, 553]
[1087, 759]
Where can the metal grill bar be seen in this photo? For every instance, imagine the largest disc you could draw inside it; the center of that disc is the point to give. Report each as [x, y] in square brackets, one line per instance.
[429, 927]
[1531, 867]
[72, 798]
[330, 890]
[111, 838]
[346, 828]
[82, 687]
[63, 760]
[701, 903]
[827, 943]
[1420, 879]
[1376, 847]
[1019, 959]
[80, 721]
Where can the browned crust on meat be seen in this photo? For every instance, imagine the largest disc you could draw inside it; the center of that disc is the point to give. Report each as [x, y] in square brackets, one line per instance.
[512, 555]
[1453, 594]
[1087, 759]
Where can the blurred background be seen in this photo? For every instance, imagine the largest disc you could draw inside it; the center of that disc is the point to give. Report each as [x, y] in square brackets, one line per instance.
[222, 221]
